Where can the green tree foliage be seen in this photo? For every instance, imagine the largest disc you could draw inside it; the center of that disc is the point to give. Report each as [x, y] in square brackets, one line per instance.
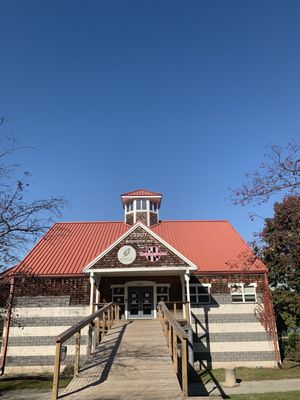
[281, 254]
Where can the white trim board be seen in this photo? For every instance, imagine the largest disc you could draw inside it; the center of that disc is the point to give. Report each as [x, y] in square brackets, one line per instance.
[143, 269]
[191, 265]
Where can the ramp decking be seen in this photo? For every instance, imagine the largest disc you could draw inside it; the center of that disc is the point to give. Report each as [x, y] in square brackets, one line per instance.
[132, 363]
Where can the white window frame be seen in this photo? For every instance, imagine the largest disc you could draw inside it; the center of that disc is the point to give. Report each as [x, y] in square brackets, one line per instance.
[134, 206]
[127, 210]
[243, 294]
[115, 295]
[199, 295]
[153, 206]
[167, 285]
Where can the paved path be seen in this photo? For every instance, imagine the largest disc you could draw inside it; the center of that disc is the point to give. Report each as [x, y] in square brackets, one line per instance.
[267, 386]
[132, 362]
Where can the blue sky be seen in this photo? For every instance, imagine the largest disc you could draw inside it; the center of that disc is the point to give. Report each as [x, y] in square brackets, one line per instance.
[179, 97]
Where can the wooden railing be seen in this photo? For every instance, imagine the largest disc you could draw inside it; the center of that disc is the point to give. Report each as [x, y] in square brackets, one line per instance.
[102, 320]
[177, 339]
[176, 306]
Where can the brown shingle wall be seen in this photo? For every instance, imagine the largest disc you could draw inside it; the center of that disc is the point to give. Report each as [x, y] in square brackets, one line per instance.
[78, 288]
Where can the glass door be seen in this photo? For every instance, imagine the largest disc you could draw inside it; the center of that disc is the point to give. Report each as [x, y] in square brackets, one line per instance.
[140, 302]
[147, 302]
[133, 302]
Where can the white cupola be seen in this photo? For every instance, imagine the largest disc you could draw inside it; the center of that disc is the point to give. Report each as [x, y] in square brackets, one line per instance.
[141, 205]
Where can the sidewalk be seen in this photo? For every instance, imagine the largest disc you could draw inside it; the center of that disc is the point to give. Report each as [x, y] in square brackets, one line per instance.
[26, 394]
[285, 385]
[245, 387]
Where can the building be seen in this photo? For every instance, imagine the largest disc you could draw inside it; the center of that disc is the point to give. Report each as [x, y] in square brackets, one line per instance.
[137, 263]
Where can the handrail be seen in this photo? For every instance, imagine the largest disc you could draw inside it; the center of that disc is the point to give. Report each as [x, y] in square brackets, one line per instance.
[174, 332]
[63, 337]
[185, 309]
[179, 330]
[109, 314]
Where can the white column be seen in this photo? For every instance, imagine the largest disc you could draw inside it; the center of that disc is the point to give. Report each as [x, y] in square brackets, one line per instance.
[134, 212]
[97, 281]
[148, 212]
[188, 297]
[183, 292]
[92, 284]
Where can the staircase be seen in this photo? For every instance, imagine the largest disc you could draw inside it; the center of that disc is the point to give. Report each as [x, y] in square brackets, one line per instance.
[132, 362]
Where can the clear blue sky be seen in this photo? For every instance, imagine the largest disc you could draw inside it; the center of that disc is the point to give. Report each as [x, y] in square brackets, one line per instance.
[179, 97]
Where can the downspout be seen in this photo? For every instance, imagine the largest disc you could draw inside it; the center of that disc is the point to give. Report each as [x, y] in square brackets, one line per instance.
[7, 325]
[273, 324]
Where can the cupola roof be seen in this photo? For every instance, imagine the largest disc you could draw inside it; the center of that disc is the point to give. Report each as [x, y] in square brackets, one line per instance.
[140, 193]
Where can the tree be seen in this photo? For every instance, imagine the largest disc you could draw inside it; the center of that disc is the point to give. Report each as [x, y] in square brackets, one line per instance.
[279, 242]
[280, 173]
[21, 220]
[280, 251]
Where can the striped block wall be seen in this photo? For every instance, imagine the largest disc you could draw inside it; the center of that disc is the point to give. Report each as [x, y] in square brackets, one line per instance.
[229, 335]
[34, 325]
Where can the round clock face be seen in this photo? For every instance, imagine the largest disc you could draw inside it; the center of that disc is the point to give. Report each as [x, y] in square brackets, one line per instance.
[126, 255]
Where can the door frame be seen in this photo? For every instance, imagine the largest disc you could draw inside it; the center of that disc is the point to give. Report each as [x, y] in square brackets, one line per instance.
[141, 291]
[140, 284]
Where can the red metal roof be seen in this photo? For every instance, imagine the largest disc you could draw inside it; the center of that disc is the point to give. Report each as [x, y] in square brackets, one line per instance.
[214, 246]
[141, 192]
[67, 248]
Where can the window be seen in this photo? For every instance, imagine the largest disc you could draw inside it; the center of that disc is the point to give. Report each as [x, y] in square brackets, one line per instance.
[118, 295]
[243, 293]
[141, 204]
[162, 293]
[129, 206]
[200, 293]
[153, 206]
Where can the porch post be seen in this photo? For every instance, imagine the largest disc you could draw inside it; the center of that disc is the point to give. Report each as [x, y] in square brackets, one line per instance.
[183, 293]
[188, 297]
[97, 282]
[92, 284]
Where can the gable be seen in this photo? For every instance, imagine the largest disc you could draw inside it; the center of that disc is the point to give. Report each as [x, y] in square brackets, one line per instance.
[147, 250]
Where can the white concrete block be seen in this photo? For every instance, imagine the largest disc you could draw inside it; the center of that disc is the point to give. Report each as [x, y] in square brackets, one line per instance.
[40, 331]
[224, 347]
[78, 311]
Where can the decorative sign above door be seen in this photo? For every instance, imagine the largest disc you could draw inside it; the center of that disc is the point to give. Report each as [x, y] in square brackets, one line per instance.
[126, 255]
[153, 253]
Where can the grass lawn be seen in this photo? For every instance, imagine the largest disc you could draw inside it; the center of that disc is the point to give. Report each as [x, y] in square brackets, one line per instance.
[32, 382]
[289, 370]
[267, 396]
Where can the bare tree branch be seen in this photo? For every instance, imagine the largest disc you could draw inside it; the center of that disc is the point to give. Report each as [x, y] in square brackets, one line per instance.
[280, 173]
[21, 221]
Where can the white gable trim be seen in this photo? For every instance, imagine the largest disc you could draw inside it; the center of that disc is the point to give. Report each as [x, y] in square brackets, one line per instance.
[137, 225]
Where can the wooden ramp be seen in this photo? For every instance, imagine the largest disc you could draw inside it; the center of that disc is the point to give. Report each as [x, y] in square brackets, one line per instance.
[132, 363]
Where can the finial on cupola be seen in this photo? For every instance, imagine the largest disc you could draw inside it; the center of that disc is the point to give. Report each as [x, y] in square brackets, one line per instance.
[141, 205]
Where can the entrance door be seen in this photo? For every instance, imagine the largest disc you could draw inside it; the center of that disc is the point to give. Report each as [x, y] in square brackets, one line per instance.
[140, 302]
